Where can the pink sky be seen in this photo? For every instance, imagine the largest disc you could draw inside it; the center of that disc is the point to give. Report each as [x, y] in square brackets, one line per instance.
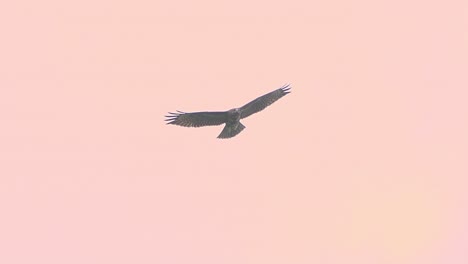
[365, 162]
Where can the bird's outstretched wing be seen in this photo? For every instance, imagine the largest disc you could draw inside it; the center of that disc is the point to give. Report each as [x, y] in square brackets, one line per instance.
[196, 119]
[263, 101]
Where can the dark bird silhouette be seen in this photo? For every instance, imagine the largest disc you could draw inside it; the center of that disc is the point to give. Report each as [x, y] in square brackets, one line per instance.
[231, 117]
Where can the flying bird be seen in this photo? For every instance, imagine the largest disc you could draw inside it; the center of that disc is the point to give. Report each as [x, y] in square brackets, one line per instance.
[230, 118]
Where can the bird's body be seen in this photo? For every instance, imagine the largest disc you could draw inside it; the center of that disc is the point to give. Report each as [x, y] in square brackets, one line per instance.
[233, 124]
[231, 117]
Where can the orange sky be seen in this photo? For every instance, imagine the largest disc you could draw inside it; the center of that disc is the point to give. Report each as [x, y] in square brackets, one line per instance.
[364, 162]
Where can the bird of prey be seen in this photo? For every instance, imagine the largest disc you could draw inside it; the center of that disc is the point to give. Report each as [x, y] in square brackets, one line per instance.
[231, 117]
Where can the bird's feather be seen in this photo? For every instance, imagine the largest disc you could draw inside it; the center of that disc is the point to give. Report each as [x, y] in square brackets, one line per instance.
[196, 119]
[263, 101]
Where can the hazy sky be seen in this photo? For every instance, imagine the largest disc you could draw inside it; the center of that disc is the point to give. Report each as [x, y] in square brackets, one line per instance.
[364, 162]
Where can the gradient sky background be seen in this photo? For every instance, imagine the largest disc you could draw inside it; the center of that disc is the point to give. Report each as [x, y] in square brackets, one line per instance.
[366, 161]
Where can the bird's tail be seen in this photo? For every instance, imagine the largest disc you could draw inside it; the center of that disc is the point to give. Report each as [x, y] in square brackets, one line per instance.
[231, 130]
